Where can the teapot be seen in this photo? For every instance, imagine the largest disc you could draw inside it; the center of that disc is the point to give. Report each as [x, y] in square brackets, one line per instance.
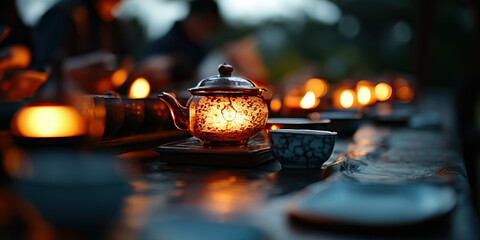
[223, 109]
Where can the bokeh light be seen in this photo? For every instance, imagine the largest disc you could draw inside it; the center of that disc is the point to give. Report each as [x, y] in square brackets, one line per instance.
[48, 122]
[383, 91]
[139, 89]
[347, 98]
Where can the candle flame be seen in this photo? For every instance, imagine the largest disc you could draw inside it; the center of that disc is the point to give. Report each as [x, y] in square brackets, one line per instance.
[274, 127]
[347, 98]
[318, 86]
[48, 121]
[275, 105]
[383, 91]
[364, 95]
[119, 77]
[308, 101]
[139, 89]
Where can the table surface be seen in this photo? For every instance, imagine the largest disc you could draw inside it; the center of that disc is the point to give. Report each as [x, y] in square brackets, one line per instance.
[259, 195]
[161, 193]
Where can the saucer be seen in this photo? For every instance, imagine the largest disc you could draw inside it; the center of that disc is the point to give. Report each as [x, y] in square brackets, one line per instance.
[372, 204]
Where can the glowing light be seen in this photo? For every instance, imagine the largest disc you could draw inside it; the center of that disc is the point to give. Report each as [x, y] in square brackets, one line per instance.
[119, 77]
[48, 121]
[274, 127]
[405, 94]
[139, 89]
[106, 9]
[18, 57]
[383, 91]
[292, 101]
[318, 86]
[364, 95]
[363, 83]
[225, 195]
[293, 98]
[275, 105]
[229, 113]
[227, 118]
[308, 101]
[347, 98]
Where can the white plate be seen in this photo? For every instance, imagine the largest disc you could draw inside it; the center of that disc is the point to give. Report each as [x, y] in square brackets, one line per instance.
[377, 205]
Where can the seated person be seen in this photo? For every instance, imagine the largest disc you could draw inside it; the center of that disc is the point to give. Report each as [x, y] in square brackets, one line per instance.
[16, 81]
[93, 43]
[173, 59]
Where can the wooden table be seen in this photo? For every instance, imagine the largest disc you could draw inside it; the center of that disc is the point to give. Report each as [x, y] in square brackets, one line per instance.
[159, 196]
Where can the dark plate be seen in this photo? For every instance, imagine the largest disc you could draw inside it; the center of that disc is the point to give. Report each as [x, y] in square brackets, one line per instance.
[393, 120]
[345, 123]
[372, 205]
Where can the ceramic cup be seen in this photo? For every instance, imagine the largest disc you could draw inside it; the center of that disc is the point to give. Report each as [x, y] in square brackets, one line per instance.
[301, 148]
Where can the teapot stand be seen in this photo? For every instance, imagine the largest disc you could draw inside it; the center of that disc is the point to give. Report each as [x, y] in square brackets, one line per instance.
[193, 151]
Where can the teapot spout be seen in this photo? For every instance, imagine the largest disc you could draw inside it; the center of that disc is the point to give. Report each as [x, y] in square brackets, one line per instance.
[179, 112]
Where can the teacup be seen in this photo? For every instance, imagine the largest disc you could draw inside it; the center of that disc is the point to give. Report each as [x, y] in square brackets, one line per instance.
[301, 148]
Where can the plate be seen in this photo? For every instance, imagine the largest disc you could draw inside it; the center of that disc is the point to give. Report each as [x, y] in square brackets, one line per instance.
[345, 123]
[297, 123]
[372, 205]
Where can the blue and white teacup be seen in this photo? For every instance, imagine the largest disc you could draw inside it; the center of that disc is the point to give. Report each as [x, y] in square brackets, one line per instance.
[301, 148]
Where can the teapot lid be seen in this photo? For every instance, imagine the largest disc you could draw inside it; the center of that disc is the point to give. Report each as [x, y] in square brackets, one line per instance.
[224, 82]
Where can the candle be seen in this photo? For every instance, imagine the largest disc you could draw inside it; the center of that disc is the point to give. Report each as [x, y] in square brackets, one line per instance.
[403, 90]
[347, 98]
[140, 88]
[119, 77]
[318, 86]
[383, 91]
[309, 101]
[48, 121]
[275, 105]
[365, 93]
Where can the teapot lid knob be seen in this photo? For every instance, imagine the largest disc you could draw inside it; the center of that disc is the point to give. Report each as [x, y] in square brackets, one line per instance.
[225, 70]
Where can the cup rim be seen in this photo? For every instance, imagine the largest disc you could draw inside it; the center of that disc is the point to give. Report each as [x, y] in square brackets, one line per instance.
[304, 132]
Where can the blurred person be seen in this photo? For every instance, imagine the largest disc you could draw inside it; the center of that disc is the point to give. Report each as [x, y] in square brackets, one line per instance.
[16, 80]
[243, 54]
[15, 41]
[93, 42]
[173, 59]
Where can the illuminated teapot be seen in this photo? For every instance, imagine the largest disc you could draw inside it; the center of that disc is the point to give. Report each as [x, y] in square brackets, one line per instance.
[223, 109]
